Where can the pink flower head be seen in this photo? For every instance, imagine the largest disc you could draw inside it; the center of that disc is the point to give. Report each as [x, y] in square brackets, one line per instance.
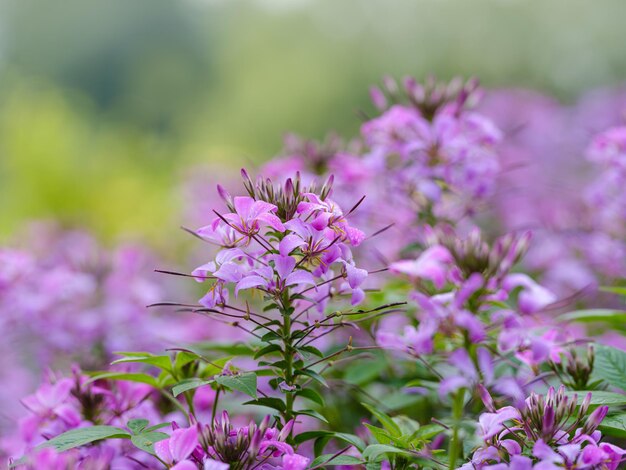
[220, 234]
[51, 401]
[532, 297]
[250, 215]
[178, 446]
[295, 462]
[210, 464]
[433, 264]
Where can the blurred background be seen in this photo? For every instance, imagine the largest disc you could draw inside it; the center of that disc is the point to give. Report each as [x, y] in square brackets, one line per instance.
[105, 106]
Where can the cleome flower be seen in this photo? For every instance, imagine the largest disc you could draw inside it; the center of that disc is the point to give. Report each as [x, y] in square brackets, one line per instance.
[280, 238]
[549, 432]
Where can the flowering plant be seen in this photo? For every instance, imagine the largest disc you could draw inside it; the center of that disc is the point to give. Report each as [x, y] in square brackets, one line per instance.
[376, 321]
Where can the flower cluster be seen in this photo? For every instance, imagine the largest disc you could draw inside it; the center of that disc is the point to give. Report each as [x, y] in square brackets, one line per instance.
[222, 446]
[63, 404]
[569, 202]
[434, 148]
[459, 283]
[547, 432]
[281, 237]
[65, 298]
[606, 195]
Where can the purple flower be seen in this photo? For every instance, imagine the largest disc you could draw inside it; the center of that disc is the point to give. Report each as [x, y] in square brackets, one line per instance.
[220, 234]
[396, 130]
[178, 446]
[491, 424]
[210, 464]
[250, 215]
[533, 297]
[550, 429]
[50, 401]
[283, 275]
[327, 214]
[216, 296]
[51, 459]
[295, 462]
[433, 265]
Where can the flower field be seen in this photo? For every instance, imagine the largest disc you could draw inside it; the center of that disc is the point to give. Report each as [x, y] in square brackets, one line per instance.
[446, 289]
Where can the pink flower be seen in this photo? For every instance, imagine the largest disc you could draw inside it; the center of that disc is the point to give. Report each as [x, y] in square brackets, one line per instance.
[178, 447]
[220, 234]
[210, 464]
[250, 215]
[294, 462]
[533, 297]
[396, 130]
[50, 401]
[433, 264]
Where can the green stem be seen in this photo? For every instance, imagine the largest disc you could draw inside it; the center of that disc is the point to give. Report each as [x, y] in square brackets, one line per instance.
[454, 449]
[189, 400]
[214, 409]
[288, 358]
[176, 403]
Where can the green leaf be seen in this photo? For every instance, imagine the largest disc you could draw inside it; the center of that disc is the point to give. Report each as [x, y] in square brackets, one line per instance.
[385, 420]
[311, 350]
[381, 436]
[407, 426]
[189, 384]
[269, 402]
[136, 426]
[320, 444]
[308, 435]
[314, 375]
[349, 438]
[162, 362]
[333, 460]
[356, 441]
[313, 414]
[428, 431]
[614, 290]
[270, 336]
[234, 349]
[185, 357]
[267, 349]
[132, 353]
[610, 365]
[614, 425]
[81, 436]
[600, 397]
[312, 395]
[374, 451]
[127, 376]
[245, 383]
[593, 315]
[145, 441]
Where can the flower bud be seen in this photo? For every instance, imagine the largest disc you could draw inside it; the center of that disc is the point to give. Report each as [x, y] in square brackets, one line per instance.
[390, 84]
[378, 98]
[548, 422]
[595, 418]
[485, 396]
[286, 430]
[584, 406]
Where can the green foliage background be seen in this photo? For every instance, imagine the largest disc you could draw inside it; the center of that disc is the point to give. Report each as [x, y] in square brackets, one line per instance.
[103, 104]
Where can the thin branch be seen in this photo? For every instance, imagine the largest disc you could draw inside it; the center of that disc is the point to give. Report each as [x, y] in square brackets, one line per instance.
[175, 273]
[356, 206]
